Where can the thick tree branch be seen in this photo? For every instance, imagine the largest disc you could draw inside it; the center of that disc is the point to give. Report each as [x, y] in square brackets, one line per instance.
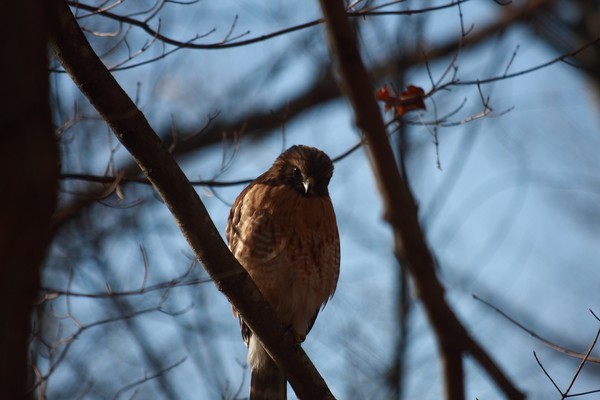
[132, 129]
[401, 210]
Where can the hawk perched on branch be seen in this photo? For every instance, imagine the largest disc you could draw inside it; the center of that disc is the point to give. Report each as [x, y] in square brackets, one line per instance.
[282, 229]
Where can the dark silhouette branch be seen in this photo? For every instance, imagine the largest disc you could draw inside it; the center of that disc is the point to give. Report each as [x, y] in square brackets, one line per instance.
[182, 280]
[147, 378]
[229, 41]
[68, 342]
[562, 58]
[144, 181]
[535, 335]
[132, 129]
[29, 161]
[401, 211]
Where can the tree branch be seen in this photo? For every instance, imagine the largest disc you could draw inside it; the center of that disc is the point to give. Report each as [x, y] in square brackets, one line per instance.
[228, 42]
[401, 210]
[132, 129]
[321, 91]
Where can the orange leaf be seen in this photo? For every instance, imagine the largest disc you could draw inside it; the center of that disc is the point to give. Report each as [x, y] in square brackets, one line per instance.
[409, 100]
[383, 95]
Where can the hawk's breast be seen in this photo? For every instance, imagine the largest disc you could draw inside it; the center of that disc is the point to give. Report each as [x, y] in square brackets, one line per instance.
[289, 244]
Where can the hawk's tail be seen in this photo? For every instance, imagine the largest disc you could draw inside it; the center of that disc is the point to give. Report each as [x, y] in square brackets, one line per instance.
[268, 382]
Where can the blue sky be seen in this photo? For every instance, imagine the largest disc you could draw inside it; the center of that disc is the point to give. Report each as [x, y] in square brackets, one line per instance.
[511, 216]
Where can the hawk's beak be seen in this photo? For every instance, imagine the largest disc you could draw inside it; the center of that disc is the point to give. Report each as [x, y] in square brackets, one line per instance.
[308, 183]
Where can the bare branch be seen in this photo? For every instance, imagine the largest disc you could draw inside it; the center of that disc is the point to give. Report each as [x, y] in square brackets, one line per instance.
[561, 58]
[547, 374]
[401, 210]
[148, 378]
[115, 180]
[582, 363]
[565, 394]
[180, 281]
[533, 334]
[231, 41]
[65, 344]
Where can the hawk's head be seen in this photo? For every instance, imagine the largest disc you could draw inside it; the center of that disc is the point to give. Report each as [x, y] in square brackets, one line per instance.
[307, 169]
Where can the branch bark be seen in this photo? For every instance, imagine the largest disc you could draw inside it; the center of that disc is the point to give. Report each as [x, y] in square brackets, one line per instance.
[401, 211]
[132, 129]
[29, 165]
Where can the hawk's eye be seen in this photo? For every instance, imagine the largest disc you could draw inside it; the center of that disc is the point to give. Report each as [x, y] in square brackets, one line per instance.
[297, 173]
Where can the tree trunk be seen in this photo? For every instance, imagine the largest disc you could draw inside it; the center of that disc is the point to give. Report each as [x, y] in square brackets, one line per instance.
[29, 170]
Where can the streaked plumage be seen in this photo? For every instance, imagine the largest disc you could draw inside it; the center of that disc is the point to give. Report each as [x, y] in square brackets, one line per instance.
[282, 229]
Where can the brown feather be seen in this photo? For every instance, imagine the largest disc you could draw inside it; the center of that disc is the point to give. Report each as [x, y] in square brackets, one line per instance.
[282, 228]
[268, 383]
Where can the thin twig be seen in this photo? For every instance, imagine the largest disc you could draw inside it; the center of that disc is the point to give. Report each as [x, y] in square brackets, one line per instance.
[228, 42]
[547, 374]
[145, 379]
[544, 341]
[561, 58]
[581, 364]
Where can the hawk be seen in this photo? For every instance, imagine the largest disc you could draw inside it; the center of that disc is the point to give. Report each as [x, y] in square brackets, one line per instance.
[283, 231]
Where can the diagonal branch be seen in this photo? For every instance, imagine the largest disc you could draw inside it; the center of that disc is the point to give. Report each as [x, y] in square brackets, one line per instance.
[401, 211]
[132, 129]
